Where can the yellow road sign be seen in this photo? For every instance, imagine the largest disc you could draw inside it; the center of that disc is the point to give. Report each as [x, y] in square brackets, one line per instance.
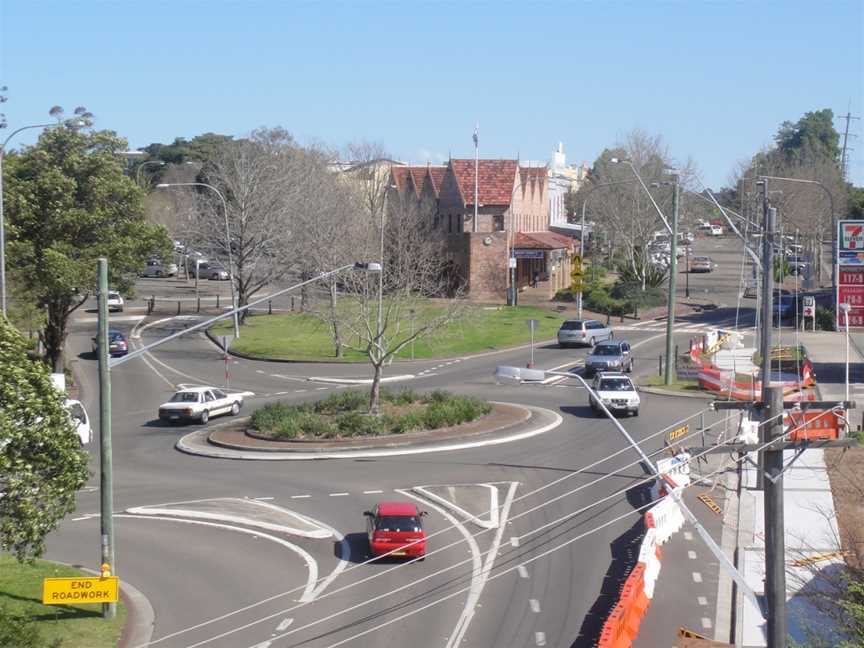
[678, 432]
[66, 591]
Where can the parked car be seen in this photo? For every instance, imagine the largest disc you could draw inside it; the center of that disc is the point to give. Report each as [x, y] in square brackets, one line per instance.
[798, 265]
[701, 264]
[200, 403]
[617, 392]
[583, 332]
[793, 249]
[716, 230]
[609, 356]
[215, 272]
[156, 268]
[117, 345]
[115, 302]
[80, 420]
[396, 529]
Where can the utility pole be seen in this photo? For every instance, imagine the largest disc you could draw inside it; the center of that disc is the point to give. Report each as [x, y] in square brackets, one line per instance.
[844, 161]
[476, 173]
[670, 374]
[106, 481]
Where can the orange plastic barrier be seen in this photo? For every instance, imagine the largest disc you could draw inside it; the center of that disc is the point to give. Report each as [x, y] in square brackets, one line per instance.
[810, 425]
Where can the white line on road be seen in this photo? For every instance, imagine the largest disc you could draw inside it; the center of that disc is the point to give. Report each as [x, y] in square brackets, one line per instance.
[284, 624]
[540, 638]
[691, 555]
[688, 535]
[372, 492]
[86, 516]
[534, 604]
[697, 577]
[702, 600]
[338, 494]
[514, 541]
[263, 499]
[321, 388]
[523, 571]
[706, 623]
[300, 496]
[263, 644]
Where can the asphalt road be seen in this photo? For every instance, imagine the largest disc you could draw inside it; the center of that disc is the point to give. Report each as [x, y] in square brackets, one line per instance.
[542, 576]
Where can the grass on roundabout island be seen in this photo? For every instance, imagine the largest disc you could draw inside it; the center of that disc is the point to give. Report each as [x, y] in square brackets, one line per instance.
[298, 336]
[687, 386]
[345, 415]
[26, 623]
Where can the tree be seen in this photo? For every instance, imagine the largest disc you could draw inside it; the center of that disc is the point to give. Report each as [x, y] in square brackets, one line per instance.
[414, 269]
[811, 136]
[41, 462]
[68, 203]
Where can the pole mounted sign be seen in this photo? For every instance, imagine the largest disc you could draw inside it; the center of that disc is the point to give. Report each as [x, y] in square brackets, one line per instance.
[850, 272]
[68, 591]
[576, 273]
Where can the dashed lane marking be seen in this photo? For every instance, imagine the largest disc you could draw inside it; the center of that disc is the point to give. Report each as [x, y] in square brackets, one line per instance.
[540, 638]
[697, 577]
[534, 604]
[372, 492]
[514, 541]
[283, 625]
[688, 535]
[702, 600]
[691, 555]
[300, 496]
[338, 494]
[706, 623]
[321, 388]
[523, 572]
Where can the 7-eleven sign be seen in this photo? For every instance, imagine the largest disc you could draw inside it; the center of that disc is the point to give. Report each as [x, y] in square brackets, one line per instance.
[852, 235]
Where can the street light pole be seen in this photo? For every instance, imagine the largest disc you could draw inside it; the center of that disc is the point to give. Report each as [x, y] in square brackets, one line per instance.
[2, 218]
[142, 165]
[227, 244]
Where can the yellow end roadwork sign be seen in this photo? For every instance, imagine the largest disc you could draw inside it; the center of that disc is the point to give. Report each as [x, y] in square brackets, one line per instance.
[66, 591]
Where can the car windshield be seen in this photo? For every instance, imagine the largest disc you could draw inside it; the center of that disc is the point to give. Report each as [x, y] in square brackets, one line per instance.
[115, 336]
[571, 325]
[701, 260]
[615, 384]
[606, 350]
[113, 295]
[398, 523]
[76, 412]
[185, 397]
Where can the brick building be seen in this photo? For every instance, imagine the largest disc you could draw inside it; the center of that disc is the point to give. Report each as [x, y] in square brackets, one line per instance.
[512, 221]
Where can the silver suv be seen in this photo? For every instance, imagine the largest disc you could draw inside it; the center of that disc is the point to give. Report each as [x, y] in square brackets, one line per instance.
[583, 332]
[617, 392]
[609, 356]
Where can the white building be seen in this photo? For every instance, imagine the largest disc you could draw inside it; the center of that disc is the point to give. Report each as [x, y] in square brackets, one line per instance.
[562, 180]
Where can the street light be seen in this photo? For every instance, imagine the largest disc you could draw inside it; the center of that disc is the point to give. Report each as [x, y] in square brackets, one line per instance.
[582, 232]
[2, 219]
[227, 243]
[845, 308]
[142, 165]
[669, 376]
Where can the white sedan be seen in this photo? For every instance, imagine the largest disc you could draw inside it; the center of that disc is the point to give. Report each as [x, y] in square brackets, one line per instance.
[199, 404]
[115, 302]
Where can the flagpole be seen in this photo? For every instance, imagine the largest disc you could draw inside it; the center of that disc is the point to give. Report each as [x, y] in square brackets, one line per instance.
[476, 172]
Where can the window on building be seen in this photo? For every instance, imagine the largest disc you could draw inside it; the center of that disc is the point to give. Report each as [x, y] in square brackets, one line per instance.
[449, 223]
[499, 222]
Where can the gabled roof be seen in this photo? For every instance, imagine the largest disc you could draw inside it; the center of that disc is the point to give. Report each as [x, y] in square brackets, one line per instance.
[436, 177]
[400, 176]
[542, 241]
[496, 180]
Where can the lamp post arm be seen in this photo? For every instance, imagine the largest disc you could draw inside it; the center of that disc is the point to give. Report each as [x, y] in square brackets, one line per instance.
[650, 197]
[752, 254]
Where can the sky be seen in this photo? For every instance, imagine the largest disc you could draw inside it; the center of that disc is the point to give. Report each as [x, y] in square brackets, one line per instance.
[715, 79]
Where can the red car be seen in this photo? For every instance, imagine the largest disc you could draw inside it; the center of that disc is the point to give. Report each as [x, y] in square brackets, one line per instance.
[396, 529]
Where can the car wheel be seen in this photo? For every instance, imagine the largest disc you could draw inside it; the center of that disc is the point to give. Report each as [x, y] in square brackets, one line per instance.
[205, 416]
[592, 342]
[636, 412]
[235, 409]
[611, 335]
[158, 274]
[630, 367]
[120, 310]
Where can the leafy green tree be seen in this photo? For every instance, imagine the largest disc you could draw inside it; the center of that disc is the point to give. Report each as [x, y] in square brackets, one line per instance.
[856, 202]
[68, 202]
[813, 134]
[41, 461]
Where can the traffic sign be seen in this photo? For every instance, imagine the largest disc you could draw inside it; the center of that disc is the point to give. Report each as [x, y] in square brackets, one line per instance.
[66, 591]
[532, 324]
[809, 311]
[809, 301]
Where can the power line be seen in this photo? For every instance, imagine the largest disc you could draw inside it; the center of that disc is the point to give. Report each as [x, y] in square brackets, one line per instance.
[440, 549]
[844, 155]
[449, 528]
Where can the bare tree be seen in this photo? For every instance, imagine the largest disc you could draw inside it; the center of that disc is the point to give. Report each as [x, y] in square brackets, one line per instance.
[414, 270]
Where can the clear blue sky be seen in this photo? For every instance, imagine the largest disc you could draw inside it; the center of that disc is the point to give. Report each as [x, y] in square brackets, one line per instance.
[715, 79]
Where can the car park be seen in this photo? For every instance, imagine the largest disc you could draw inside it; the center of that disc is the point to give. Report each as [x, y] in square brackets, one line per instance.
[117, 344]
[115, 302]
[396, 529]
[156, 268]
[215, 272]
[609, 356]
[701, 264]
[583, 332]
[199, 404]
[617, 392]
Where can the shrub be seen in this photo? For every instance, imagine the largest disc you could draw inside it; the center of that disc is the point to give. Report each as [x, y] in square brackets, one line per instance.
[824, 318]
[345, 401]
[565, 295]
[360, 424]
[20, 631]
[408, 422]
[404, 396]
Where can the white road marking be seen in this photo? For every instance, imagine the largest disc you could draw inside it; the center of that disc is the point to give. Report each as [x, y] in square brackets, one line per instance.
[338, 494]
[540, 638]
[284, 624]
[321, 388]
[311, 564]
[697, 577]
[86, 516]
[534, 604]
[514, 541]
[259, 371]
[691, 555]
[263, 644]
[263, 499]
[300, 496]
[688, 535]
[702, 600]
[281, 393]
[706, 623]
[372, 492]
[491, 523]
[523, 571]
[300, 391]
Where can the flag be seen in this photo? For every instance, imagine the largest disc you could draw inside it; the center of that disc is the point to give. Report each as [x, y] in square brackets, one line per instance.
[476, 139]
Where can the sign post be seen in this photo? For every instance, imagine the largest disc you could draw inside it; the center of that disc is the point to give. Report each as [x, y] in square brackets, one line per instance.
[532, 324]
[577, 273]
[809, 311]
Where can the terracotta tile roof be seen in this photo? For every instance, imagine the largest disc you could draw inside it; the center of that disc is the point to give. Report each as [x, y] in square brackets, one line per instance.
[496, 180]
[527, 174]
[436, 177]
[400, 176]
[542, 241]
[405, 175]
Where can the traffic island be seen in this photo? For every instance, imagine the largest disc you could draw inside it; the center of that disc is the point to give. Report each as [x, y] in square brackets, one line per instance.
[505, 423]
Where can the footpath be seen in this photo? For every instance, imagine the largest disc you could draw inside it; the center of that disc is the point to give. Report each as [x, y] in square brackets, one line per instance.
[695, 594]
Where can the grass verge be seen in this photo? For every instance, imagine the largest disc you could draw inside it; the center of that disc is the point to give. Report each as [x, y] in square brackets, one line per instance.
[25, 622]
[344, 415]
[689, 386]
[296, 336]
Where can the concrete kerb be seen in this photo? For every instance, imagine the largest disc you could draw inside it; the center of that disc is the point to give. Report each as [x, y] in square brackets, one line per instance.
[198, 443]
